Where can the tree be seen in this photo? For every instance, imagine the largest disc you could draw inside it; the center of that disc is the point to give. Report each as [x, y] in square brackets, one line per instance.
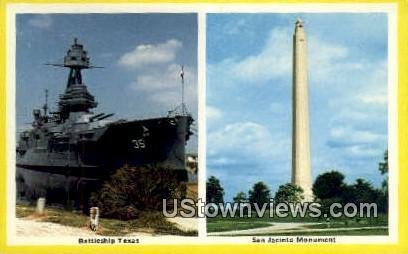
[289, 193]
[241, 197]
[383, 167]
[330, 188]
[259, 194]
[382, 201]
[361, 192]
[364, 192]
[215, 193]
[348, 195]
[329, 185]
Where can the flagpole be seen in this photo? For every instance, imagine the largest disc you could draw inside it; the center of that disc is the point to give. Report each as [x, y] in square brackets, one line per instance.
[182, 88]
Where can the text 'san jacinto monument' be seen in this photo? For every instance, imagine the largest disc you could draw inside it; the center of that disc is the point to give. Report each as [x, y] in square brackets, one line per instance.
[301, 172]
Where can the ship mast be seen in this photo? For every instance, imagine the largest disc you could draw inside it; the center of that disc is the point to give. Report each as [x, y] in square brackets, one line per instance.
[183, 105]
[76, 60]
[45, 107]
[76, 97]
[180, 110]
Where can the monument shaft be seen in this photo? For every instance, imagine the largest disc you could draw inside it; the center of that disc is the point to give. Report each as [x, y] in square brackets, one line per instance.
[301, 171]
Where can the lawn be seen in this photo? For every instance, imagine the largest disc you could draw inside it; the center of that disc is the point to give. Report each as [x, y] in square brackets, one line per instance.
[148, 222]
[219, 224]
[357, 232]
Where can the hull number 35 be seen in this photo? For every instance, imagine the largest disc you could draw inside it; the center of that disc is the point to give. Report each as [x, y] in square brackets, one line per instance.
[138, 143]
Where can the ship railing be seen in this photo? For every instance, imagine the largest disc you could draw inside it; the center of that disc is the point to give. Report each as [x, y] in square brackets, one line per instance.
[180, 110]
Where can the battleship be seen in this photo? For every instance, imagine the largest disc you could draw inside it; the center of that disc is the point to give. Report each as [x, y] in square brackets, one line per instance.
[67, 154]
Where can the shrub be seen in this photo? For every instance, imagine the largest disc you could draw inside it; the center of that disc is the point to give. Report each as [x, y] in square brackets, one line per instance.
[133, 189]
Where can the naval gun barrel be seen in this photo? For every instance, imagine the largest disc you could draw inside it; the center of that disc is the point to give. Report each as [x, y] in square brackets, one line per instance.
[105, 116]
[96, 116]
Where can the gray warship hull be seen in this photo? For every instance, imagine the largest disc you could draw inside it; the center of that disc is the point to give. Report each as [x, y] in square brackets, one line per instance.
[76, 164]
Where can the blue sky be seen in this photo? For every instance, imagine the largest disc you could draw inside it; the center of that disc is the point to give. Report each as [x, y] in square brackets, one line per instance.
[249, 81]
[141, 53]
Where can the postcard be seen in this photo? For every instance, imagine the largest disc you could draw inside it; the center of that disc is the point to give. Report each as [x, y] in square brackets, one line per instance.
[197, 127]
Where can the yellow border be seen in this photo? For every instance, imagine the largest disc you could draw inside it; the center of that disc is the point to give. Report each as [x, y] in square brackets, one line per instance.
[400, 247]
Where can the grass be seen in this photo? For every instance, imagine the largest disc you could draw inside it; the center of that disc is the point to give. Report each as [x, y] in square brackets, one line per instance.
[359, 232]
[219, 224]
[148, 222]
[381, 220]
[265, 218]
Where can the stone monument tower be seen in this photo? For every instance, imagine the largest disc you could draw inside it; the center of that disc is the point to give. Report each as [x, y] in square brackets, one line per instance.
[301, 170]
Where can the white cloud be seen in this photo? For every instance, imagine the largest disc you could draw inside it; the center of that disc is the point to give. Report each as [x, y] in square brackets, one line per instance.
[235, 27]
[328, 62]
[374, 99]
[165, 88]
[347, 114]
[224, 161]
[247, 141]
[213, 114]
[274, 61]
[160, 83]
[40, 21]
[150, 54]
[358, 131]
[279, 108]
[374, 91]
[364, 151]
[349, 135]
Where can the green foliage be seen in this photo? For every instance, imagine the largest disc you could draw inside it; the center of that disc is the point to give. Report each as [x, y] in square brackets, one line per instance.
[289, 193]
[329, 185]
[215, 193]
[359, 192]
[259, 194]
[326, 203]
[348, 195]
[364, 191]
[241, 197]
[383, 167]
[131, 189]
[382, 201]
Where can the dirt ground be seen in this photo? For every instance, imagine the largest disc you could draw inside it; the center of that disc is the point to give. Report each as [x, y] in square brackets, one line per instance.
[28, 227]
[185, 224]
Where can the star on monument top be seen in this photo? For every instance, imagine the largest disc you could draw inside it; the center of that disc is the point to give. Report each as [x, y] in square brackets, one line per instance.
[299, 22]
